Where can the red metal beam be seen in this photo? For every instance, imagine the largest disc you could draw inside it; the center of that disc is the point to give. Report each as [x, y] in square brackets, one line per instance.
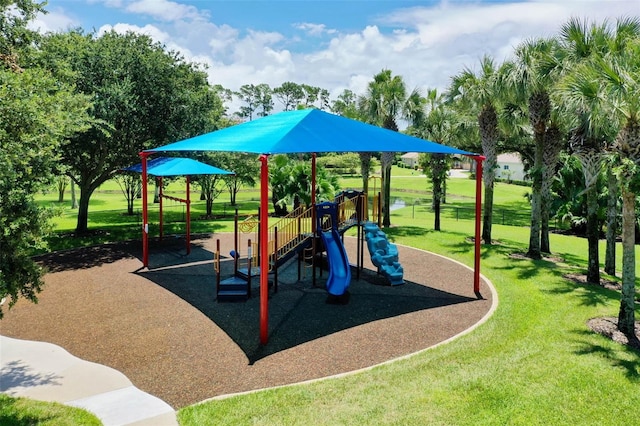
[145, 214]
[476, 266]
[159, 180]
[264, 250]
[188, 201]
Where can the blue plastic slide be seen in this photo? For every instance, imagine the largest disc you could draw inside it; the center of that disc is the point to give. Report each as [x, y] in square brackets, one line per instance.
[339, 269]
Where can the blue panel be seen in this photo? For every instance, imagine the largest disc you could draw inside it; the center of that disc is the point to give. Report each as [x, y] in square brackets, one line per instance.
[177, 167]
[308, 130]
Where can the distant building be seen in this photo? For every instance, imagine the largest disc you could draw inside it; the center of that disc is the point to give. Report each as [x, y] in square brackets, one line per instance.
[510, 167]
[462, 162]
[410, 159]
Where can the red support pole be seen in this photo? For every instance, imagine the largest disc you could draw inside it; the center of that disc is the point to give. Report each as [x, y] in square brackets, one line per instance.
[313, 179]
[188, 216]
[476, 266]
[264, 250]
[160, 209]
[145, 215]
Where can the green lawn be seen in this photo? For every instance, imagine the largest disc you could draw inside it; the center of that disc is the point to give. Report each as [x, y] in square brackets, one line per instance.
[24, 411]
[533, 362]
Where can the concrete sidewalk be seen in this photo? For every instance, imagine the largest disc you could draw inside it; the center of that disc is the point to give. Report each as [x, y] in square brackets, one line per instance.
[46, 372]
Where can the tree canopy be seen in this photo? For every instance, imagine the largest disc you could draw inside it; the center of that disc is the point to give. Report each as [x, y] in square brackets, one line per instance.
[142, 96]
[38, 112]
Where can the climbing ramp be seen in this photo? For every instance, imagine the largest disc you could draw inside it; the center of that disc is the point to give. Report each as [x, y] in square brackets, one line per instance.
[384, 255]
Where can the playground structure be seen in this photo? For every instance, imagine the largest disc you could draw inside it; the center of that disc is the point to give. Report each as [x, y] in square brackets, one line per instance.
[304, 233]
[297, 234]
[312, 131]
[168, 167]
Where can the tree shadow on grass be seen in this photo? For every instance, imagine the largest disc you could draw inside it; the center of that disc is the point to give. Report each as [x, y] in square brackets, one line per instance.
[587, 294]
[298, 312]
[406, 231]
[631, 366]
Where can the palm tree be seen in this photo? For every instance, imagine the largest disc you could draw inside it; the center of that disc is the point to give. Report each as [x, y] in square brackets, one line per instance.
[555, 142]
[346, 105]
[385, 102]
[531, 78]
[297, 185]
[483, 93]
[438, 126]
[613, 194]
[583, 48]
[620, 72]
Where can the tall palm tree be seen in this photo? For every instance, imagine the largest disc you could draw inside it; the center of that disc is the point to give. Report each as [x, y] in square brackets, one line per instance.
[620, 72]
[531, 79]
[385, 102]
[584, 46]
[613, 194]
[346, 105]
[439, 125]
[555, 142]
[483, 94]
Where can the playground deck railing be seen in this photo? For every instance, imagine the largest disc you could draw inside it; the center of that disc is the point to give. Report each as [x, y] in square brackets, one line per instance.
[292, 230]
[348, 206]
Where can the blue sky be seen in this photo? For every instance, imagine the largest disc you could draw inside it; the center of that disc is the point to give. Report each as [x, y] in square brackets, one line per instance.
[333, 44]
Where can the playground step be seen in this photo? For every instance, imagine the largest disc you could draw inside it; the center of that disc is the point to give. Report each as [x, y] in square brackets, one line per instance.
[232, 296]
[244, 272]
[234, 281]
[233, 289]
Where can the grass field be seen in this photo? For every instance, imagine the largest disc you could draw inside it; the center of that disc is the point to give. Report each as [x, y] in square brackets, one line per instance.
[533, 362]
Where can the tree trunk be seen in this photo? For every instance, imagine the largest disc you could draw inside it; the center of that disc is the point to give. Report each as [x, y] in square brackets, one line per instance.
[534, 251]
[74, 201]
[437, 196]
[62, 185]
[209, 207]
[612, 216]
[626, 316]
[386, 198]
[83, 211]
[487, 216]
[387, 161]
[444, 191]
[593, 236]
[156, 192]
[545, 246]
[365, 165]
[130, 201]
[232, 199]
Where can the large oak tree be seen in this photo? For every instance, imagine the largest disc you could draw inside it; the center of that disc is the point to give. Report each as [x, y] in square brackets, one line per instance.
[37, 112]
[143, 96]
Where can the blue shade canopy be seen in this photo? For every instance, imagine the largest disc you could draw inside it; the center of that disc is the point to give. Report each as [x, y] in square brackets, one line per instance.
[164, 166]
[308, 130]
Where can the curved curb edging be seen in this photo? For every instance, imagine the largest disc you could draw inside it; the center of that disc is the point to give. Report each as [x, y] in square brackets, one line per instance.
[485, 318]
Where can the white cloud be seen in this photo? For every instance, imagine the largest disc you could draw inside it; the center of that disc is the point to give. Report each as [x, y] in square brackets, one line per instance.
[108, 3]
[53, 21]
[314, 29]
[164, 10]
[148, 30]
[426, 44]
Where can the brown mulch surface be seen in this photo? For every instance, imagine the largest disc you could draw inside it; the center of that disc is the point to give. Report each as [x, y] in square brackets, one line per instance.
[608, 327]
[163, 328]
